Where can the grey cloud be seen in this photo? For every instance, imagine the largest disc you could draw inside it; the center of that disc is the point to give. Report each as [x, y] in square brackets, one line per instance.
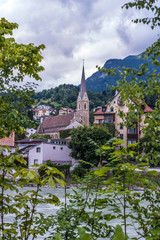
[73, 30]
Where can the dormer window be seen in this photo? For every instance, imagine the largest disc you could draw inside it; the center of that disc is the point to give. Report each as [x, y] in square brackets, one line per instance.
[103, 109]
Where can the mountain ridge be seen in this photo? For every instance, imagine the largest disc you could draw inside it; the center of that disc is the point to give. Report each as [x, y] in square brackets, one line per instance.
[98, 81]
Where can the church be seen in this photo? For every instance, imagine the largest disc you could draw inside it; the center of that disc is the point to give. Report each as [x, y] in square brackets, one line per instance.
[54, 124]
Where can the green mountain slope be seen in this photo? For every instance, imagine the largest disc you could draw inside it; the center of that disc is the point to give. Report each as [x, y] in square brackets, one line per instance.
[66, 96]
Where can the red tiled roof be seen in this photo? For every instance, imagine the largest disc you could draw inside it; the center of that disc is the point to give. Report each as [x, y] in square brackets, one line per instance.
[68, 137]
[147, 109]
[54, 123]
[99, 111]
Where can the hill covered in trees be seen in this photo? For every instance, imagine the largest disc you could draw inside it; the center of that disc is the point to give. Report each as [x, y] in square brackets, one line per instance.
[66, 96]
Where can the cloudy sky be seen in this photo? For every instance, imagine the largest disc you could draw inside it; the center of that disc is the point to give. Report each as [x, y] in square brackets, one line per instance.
[73, 30]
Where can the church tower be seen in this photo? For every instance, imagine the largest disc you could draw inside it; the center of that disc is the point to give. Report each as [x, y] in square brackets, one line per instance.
[83, 102]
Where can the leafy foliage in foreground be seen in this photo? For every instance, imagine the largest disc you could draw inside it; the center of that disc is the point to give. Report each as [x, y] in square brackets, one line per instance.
[16, 61]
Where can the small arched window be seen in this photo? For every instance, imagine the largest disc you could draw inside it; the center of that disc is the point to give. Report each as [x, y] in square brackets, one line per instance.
[85, 106]
[79, 106]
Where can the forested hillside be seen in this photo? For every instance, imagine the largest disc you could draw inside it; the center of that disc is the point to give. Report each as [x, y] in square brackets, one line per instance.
[66, 96]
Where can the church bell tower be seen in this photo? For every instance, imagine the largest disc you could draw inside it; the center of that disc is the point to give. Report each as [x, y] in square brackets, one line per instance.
[83, 102]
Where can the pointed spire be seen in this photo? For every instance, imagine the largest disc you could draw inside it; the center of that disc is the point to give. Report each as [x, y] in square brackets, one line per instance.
[83, 82]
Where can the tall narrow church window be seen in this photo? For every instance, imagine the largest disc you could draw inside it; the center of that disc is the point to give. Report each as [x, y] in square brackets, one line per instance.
[85, 106]
[79, 106]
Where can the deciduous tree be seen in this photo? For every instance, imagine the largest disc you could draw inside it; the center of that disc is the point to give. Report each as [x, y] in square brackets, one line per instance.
[85, 140]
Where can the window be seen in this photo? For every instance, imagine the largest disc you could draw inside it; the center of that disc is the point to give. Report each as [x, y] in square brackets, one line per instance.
[38, 149]
[9, 143]
[121, 126]
[103, 109]
[35, 161]
[100, 121]
[108, 119]
[54, 147]
[111, 109]
[3, 143]
[132, 130]
[121, 136]
[61, 148]
[85, 106]
[131, 141]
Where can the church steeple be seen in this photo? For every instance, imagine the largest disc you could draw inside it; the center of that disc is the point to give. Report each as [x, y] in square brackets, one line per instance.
[83, 82]
[82, 114]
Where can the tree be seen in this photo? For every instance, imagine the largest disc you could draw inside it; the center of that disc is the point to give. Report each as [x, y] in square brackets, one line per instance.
[148, 85]
[137, 91]
[16, 62]
[84, 142]
[39, 136]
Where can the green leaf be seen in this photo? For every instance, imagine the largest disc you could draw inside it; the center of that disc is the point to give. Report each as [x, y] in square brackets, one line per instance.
[118, 234]
[31, 174]
[83, 235]
[60, 182]
[51, 183]
[58, 236]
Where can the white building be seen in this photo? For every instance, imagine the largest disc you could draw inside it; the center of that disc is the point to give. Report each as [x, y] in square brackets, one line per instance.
[30, 131]
[58, 152]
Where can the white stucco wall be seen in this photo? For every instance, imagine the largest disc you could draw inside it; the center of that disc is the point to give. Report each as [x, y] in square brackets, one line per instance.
[50, 151]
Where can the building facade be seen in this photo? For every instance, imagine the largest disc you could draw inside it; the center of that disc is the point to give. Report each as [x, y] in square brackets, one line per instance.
[111, 113]
[57, 151]
[8, 141]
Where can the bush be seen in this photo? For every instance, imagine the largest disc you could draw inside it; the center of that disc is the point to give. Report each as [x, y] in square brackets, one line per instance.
[79, 171]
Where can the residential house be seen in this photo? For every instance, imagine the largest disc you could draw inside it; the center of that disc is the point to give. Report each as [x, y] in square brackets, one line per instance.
[65, 111]
[38, 113]
[8, 141]
[56, 151]
[42, 112]
[26, 144]
[110, 113]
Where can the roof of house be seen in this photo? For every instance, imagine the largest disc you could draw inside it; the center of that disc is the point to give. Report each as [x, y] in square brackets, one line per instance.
[30, 141]
[99, 111]
[147, 109]
[54, 123]
[68, 137]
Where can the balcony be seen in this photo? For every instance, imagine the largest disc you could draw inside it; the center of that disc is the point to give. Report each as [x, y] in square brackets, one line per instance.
[132, 136]
[120, 102]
